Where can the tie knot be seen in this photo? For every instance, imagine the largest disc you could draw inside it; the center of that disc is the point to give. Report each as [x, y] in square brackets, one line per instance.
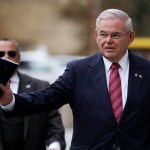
[115, 66]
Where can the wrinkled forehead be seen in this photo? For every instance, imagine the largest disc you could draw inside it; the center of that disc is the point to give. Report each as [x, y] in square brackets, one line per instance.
[8, 45]
[112, 25]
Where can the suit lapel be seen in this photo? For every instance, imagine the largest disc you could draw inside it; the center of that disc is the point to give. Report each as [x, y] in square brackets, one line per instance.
[136, 77]
[98, 80]
[25, 86]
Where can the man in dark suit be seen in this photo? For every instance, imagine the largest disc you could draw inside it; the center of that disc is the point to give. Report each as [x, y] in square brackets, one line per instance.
[98, 123]
[34, 132]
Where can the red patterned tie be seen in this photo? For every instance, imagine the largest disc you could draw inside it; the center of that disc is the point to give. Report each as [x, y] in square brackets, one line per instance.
[115, 91]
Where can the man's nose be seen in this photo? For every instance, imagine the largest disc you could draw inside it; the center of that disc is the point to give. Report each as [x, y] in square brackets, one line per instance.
[6, 55]
[109, 39]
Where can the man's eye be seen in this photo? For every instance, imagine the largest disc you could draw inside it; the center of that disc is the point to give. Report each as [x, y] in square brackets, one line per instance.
[116, 36]
[103, 34]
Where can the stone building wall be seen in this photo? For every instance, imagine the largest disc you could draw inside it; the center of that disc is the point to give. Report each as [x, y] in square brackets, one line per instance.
[59, 24]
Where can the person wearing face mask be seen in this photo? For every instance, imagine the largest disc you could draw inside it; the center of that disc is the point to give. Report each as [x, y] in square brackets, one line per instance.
[36, 132]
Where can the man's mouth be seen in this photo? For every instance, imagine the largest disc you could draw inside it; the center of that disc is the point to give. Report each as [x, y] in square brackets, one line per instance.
[110, 49]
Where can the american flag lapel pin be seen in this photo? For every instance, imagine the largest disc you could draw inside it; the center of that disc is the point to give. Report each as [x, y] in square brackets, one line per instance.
[135, 74]
[28, 86]
[140, 76]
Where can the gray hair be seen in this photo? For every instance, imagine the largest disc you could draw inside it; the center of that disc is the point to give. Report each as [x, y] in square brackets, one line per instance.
[18, 47]
[115, 13]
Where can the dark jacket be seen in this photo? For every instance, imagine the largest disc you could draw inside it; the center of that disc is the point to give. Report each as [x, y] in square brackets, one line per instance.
[31, 132]
[84, 87]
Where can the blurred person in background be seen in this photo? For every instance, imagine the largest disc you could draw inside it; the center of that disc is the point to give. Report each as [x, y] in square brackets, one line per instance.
[108, 92]
[34, 132]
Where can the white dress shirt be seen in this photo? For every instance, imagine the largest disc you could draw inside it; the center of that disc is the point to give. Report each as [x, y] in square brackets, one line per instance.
[14, 84]
[124, 74]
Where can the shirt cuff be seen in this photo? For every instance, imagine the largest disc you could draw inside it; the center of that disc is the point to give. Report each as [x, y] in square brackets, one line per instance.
[54, 145]
[10, 106]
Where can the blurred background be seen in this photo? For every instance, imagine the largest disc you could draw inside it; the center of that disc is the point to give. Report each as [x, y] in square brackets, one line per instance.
[53, 32]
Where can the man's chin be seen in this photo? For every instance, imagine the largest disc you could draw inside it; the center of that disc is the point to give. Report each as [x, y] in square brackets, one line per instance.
[110, 57]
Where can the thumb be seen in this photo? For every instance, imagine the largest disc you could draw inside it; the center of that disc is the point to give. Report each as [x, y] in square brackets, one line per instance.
[5, 94]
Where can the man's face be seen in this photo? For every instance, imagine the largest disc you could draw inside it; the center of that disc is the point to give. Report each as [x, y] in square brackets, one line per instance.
[113, 39]
[8, 50]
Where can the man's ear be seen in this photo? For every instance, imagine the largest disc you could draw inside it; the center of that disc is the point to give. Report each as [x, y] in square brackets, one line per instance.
[96, 36]
[132, 35]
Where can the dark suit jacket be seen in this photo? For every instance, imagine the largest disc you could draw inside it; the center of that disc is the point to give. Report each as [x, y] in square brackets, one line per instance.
[83, 86]
[39, 129]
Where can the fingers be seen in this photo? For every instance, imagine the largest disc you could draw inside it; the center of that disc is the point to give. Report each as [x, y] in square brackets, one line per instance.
[5, 94]
[2, 87]
[5, 89]
[8, 85]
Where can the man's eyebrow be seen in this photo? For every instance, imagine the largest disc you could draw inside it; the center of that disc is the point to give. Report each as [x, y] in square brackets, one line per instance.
[102, 31]
[116, 32]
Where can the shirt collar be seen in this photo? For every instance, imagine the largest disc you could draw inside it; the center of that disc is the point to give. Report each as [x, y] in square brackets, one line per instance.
[124, 62]
[15, 78]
